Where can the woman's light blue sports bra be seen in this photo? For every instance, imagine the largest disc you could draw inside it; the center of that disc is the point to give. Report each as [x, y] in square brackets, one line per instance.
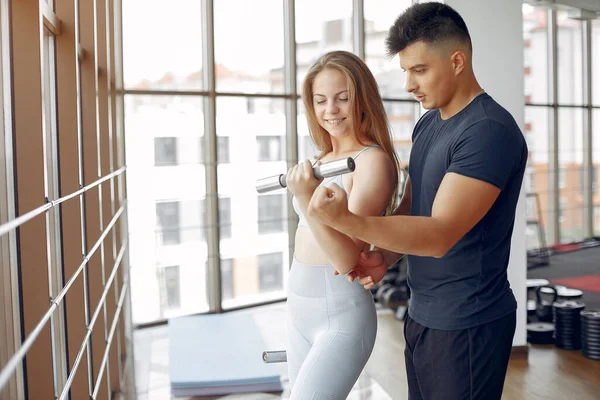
[326, 182]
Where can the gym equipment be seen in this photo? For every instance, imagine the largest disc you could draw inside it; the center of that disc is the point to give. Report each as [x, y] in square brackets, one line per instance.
[395, 295]
[540, 332]
[326, 170]
[564, 293]
[535, 283]
[567, 324]
[274, 356]
[381, 291]
[232, 366]
[544, 308]
[532, 285]
[590, 334]
[531, 307]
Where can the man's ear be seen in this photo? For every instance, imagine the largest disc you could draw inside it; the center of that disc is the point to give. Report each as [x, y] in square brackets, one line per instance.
[459, 61]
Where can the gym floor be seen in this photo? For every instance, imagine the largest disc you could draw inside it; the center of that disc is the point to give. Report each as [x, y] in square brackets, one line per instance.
[584, 262]
[546, 373]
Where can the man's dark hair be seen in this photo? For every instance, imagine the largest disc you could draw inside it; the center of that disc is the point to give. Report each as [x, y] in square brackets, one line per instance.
[427, 22]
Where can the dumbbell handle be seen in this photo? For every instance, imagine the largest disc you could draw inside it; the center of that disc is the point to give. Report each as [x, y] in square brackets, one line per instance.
[274, 356]
[325, 170]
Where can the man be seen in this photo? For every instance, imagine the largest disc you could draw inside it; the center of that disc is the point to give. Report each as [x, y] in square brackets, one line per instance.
[466, 168]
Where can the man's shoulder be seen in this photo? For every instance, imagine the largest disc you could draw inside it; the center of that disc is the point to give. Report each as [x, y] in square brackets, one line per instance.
[491, 118]
[494, 113]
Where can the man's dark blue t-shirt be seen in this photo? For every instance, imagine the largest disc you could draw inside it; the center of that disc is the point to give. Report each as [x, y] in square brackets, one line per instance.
[468, 286]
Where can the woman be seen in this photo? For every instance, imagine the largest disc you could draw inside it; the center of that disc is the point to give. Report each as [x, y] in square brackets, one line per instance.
[332, 322]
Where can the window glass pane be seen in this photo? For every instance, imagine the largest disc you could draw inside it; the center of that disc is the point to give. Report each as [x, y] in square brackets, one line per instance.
[570, 58]
[178, 150]
[596, 62]
[596, 162]
[249, 50]
[306, 147]
[223, 149]
[379, 17]
[271, 213]
[226, 279]
[170, 289]
[537, 177]
[402, 117]
[538, 84]
[270, 272]
[250, 224]
[317, 32]
[167, 223]
[225, 217]
[165, 151]
[570, 156]
[270, 148]
[150, 60]
[167, 214]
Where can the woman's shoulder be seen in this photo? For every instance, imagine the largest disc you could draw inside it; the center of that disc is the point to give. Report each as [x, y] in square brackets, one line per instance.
[372, 153]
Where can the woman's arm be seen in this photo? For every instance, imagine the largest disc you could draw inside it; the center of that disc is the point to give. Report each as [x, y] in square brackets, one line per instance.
[372, 187]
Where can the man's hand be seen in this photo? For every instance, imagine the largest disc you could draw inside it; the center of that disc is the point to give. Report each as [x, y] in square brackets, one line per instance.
[328, 204]
[371, 268]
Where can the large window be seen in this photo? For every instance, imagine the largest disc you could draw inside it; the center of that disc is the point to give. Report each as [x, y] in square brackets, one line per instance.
[173, 117]
[166, 176]
[556, 127]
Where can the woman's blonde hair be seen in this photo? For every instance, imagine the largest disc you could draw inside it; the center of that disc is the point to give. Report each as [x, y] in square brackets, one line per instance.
[367, 113]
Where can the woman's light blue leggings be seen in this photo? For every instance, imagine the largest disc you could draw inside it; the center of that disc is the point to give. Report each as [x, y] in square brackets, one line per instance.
[331, 326]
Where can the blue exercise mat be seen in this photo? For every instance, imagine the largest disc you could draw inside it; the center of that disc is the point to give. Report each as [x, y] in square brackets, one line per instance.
[218, 354]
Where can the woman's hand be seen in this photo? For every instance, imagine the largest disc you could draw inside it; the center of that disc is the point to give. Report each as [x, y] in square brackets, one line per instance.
[370, 269]
[301, 181]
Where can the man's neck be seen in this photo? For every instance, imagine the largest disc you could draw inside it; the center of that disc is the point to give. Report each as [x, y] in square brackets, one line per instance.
[461, 100]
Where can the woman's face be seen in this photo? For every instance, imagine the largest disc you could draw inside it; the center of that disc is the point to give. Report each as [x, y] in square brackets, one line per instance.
[331, 102]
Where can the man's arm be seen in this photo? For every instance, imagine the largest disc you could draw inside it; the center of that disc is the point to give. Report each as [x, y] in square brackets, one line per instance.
[460, 203]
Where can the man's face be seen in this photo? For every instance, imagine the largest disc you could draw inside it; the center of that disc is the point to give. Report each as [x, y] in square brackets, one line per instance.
[430, 75]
